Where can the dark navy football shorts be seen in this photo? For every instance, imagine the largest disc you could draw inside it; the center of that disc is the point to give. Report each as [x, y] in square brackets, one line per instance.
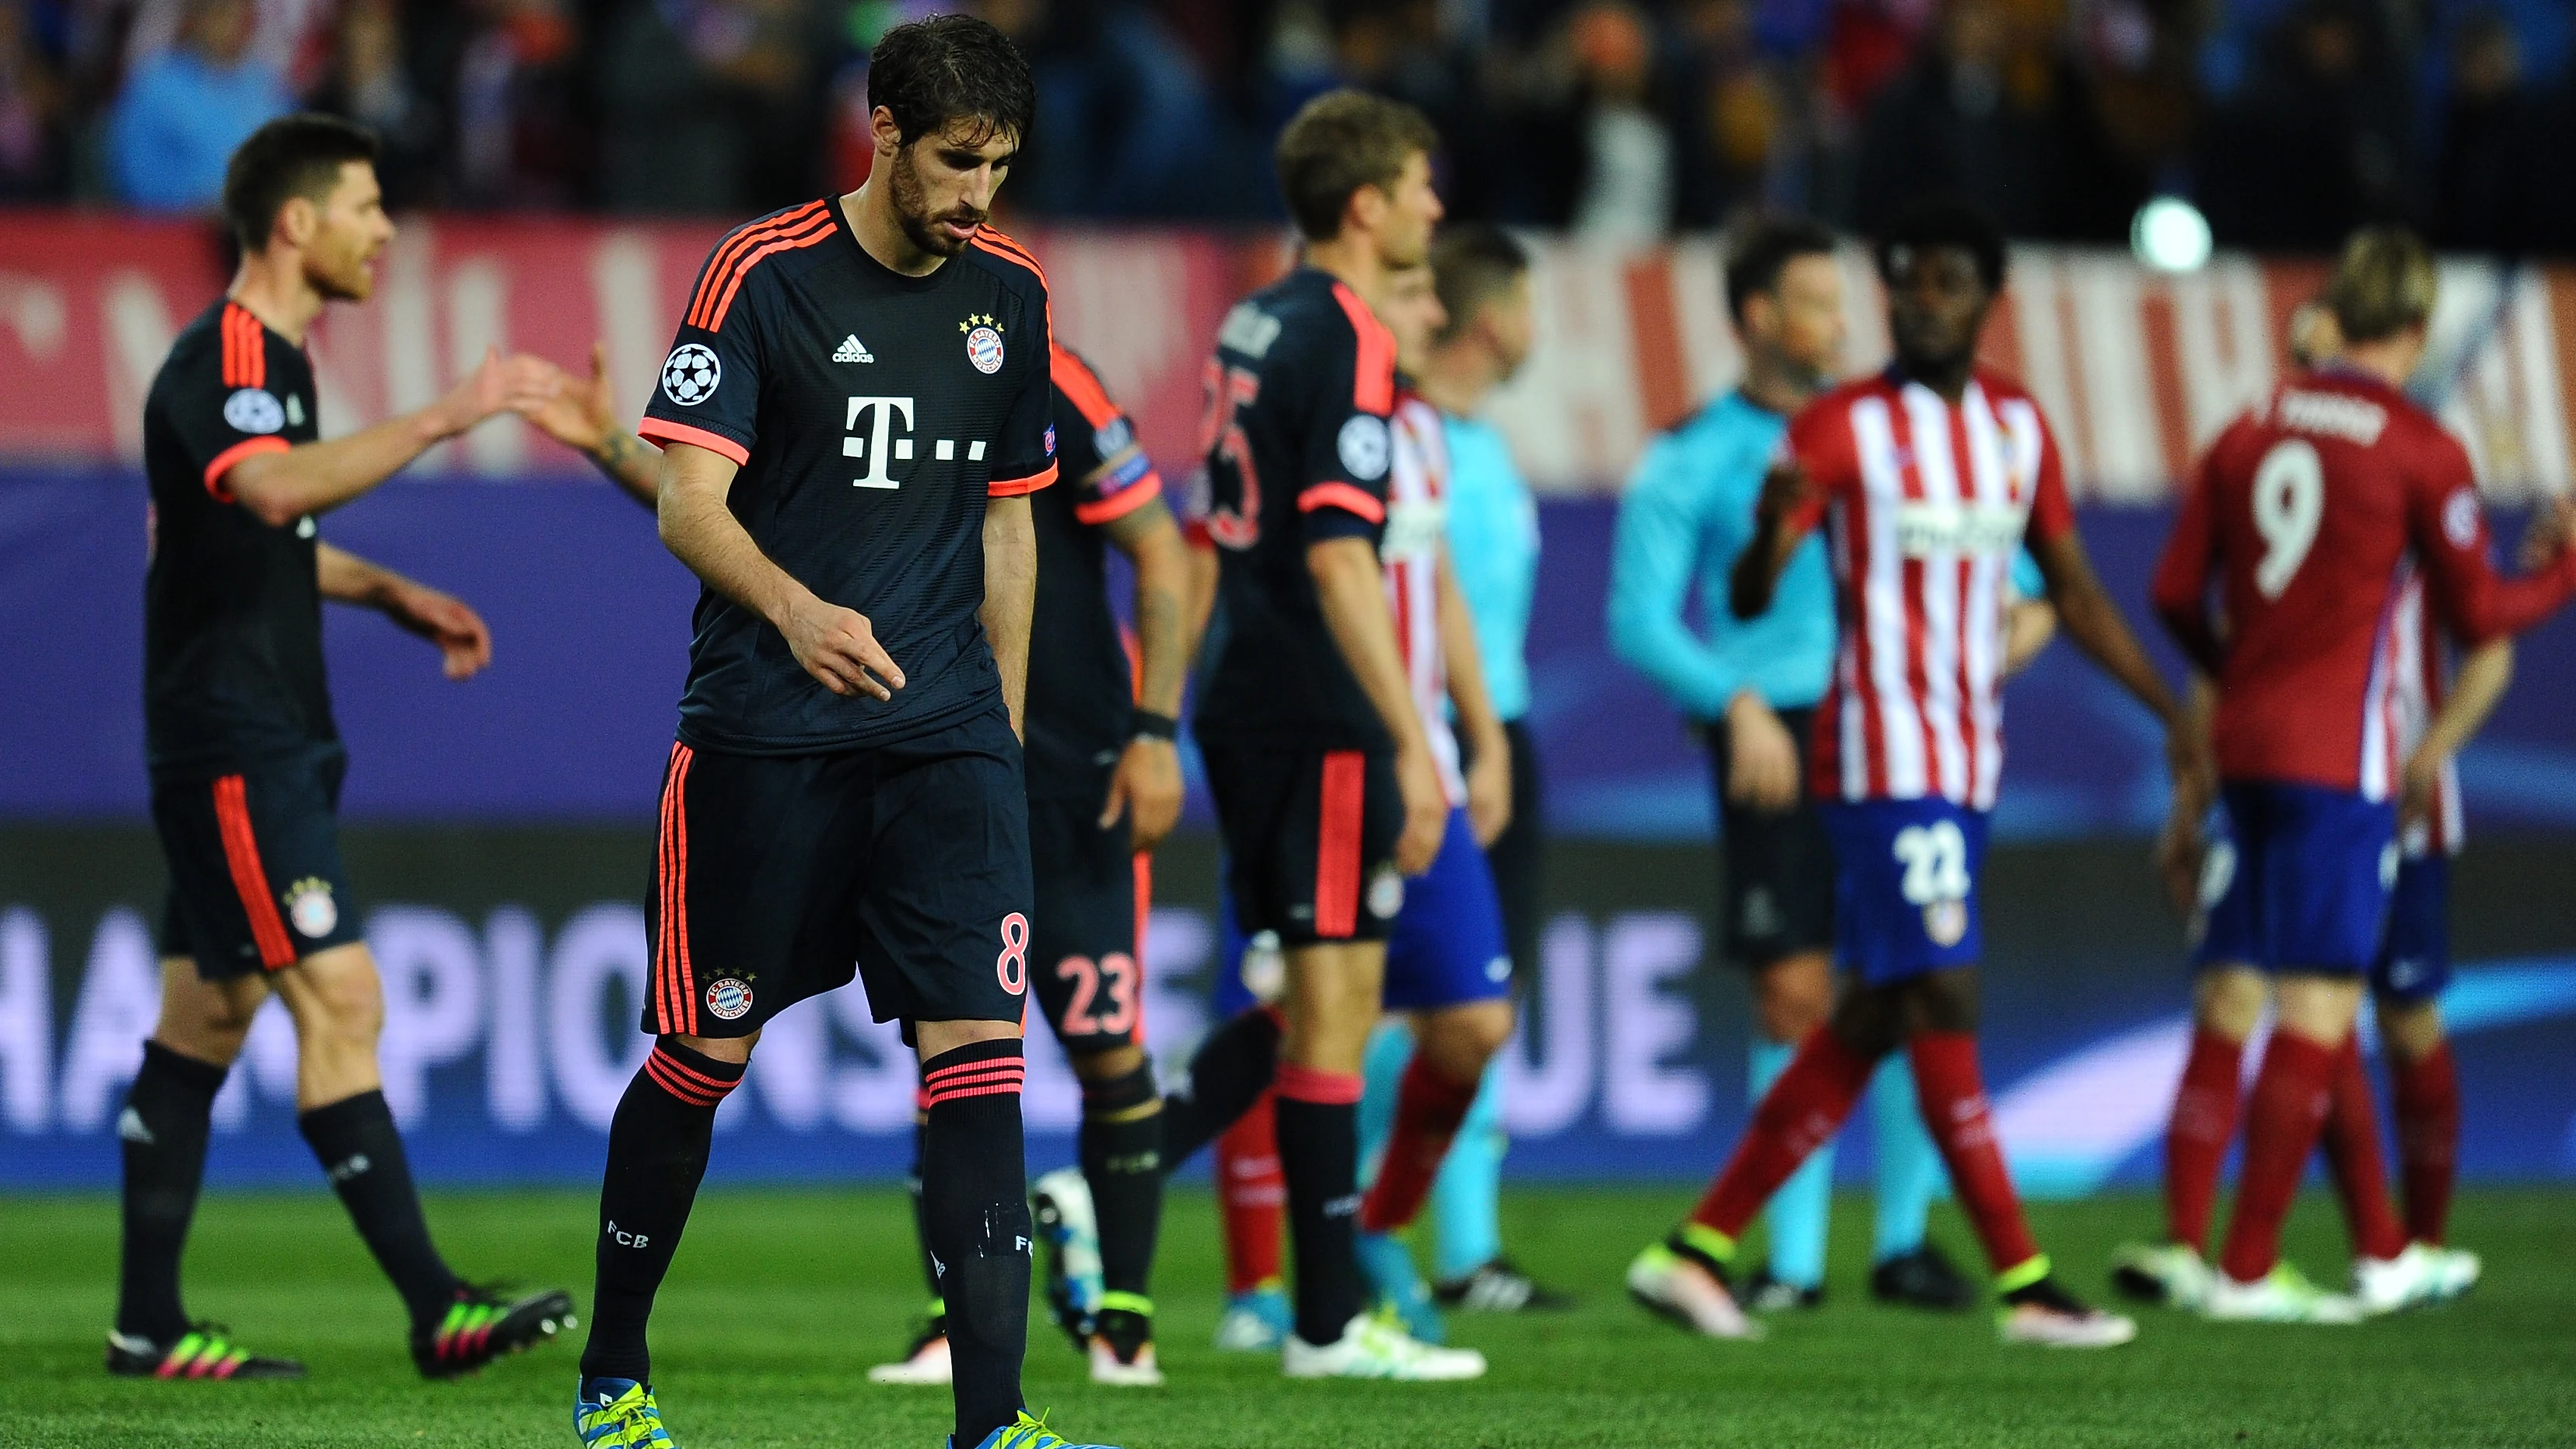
[256, 881]
[1779, 864]
[778, 877]
[2297, 878]
[1092, 893]
[1309, 840]
[2414, 962]
[1446, 948]
[1905, 886]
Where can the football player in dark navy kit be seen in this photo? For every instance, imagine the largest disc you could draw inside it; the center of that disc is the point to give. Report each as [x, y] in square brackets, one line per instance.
[1104, 789]
[853, 417]
[1323, 775]
[246, 761]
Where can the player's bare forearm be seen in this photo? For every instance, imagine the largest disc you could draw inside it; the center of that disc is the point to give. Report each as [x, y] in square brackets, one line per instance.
[1152, 542]
[281, 487]
[348, 579]
[2484, 674]
[2087, 615]
[311, 478]
[1010, 596]
[1352, 593]
[2028, 626]
[700, 531]
[1749, 585]
[1198, 602]
[631, 464]
[1477, 719]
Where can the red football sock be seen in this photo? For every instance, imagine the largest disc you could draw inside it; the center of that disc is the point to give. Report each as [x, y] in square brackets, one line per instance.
[1803, 1110]
[1428, 1109]
[2282, 1120]
[2204, 1118]
[2427, 1093]
[1955, 1110]
[2353, 1153]
[1251, 1195]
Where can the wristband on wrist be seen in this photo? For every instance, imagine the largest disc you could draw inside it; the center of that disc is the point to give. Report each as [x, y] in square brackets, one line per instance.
[1147, 725]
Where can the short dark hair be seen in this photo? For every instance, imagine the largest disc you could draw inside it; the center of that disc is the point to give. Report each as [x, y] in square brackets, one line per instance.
[950, 68]
[1753, 268]
[1944, 221]
[1470, 265]
[2384, 283]
[1339, 142]
[292, 156]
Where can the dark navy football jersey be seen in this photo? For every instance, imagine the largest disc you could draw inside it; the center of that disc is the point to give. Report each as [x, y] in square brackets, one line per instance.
[232, 606]
[1298, 399]
[1081, 693]
[872, 415]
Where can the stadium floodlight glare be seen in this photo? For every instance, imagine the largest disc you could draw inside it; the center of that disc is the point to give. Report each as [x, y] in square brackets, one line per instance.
[2170, 235]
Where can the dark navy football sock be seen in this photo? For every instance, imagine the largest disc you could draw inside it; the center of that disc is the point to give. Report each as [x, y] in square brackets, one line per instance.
[362, 1154]
[1122, 1159]
[1319, 1152]
[657, 1154]
[163, 1128]
[1228, 1073]
[974, 1193]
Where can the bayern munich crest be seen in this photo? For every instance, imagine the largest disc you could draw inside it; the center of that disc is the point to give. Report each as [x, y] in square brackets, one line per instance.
[984, 349]
[728, 999]
[310, 907]
[1386, 893]
[690, 376]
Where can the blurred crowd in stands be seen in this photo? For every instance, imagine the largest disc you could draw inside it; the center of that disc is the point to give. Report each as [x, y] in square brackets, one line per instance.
[2287, 121]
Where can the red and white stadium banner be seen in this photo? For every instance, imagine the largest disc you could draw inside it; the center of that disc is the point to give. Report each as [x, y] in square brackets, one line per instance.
[2136, 370]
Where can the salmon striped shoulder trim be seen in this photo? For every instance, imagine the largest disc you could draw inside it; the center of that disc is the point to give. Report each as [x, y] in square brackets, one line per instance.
[1373, 386]
[245, 340]
[1002, 246]
[1075, 379]
[736, 255]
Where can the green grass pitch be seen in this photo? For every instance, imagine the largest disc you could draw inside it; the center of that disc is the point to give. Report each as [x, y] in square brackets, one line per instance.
[781, 1299]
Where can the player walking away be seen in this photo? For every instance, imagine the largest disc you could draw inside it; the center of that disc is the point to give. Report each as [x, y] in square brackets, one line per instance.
[246, 762]
[1482, 277]
[1927, 477]
[2312, 514]
[2408, 974]
[1104, 789]
[1322, 772]
[853, 417]
[1751, 688]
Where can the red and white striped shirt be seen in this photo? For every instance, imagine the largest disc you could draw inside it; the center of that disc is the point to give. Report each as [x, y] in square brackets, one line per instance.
[1925, 504]
[1417, 518]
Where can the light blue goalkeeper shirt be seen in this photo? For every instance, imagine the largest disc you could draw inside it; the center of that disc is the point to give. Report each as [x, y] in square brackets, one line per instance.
[1493, 546]
[1687, 515]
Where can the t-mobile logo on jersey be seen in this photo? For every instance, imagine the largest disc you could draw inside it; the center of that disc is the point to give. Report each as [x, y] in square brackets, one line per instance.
[880, 447]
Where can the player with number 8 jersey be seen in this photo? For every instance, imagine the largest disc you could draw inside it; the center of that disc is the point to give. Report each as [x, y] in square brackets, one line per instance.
[853, 416]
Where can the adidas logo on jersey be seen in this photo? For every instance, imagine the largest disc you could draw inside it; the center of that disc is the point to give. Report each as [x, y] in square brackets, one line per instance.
[853, 350]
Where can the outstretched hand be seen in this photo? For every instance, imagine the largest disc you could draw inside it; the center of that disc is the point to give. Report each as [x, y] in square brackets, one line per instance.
[464, 641]
[2552, 532]
[579, 412]
[517, 384]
